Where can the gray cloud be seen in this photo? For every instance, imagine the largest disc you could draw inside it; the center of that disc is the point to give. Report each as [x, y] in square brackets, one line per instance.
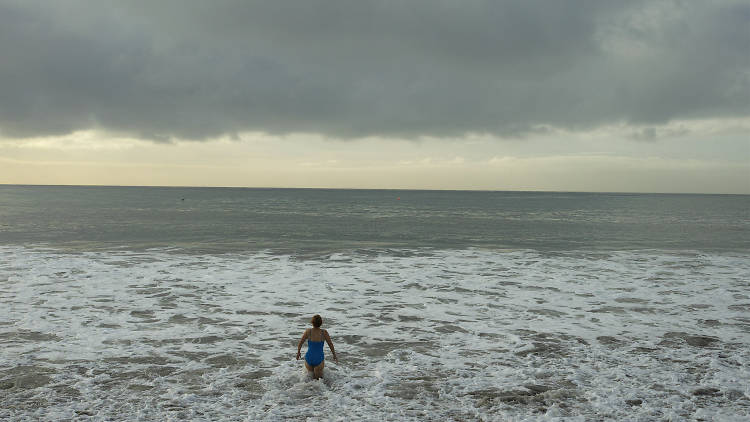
[195, 69]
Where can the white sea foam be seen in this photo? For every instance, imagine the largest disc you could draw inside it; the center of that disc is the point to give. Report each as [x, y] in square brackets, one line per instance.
[421, 335]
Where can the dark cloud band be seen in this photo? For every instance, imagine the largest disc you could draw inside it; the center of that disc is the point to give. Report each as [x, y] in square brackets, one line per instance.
[195, 69]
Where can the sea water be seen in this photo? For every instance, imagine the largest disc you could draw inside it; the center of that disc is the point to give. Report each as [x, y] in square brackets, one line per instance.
[187, 304]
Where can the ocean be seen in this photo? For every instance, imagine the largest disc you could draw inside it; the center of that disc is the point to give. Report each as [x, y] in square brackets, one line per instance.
[159, 304]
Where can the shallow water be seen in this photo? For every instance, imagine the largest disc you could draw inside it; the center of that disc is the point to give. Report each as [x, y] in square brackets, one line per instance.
[422, 334]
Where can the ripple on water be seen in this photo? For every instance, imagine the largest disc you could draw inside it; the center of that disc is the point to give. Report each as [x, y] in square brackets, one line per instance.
[498, 336]
[675, 339]
[25, 377]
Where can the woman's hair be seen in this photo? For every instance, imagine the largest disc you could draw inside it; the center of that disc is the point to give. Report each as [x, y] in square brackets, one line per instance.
[316, 321]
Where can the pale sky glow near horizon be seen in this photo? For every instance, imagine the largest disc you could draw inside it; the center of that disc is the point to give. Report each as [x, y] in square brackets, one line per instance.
[650, 96]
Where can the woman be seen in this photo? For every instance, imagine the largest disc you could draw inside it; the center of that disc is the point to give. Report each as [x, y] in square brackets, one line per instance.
[314, 358]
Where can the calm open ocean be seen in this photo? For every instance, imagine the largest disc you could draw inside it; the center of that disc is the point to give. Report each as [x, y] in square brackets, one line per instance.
[133, 303]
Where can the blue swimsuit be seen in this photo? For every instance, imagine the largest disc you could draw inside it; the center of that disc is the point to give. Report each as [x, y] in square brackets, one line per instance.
[314, 355]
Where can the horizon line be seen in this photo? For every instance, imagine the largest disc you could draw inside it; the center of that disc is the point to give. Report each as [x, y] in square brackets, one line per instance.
[368, 189]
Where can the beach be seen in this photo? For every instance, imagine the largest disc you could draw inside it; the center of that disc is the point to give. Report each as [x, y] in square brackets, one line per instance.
[521, 308]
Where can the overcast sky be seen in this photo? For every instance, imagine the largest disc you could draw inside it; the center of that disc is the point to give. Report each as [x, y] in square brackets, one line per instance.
[539, 95]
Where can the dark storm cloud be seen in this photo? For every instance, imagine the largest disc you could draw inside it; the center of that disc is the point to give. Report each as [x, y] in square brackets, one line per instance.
[196, 69]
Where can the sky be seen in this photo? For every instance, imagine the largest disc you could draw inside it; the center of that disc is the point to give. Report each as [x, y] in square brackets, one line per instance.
[574, 95]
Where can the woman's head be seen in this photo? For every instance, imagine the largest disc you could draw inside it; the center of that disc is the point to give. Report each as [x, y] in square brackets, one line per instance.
[316, 321]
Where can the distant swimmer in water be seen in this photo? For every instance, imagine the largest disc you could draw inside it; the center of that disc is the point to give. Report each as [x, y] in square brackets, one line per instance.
[314, 359]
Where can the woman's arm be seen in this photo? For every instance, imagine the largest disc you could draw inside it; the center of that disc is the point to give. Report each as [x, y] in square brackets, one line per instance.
[302, 340]
[330, 345]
